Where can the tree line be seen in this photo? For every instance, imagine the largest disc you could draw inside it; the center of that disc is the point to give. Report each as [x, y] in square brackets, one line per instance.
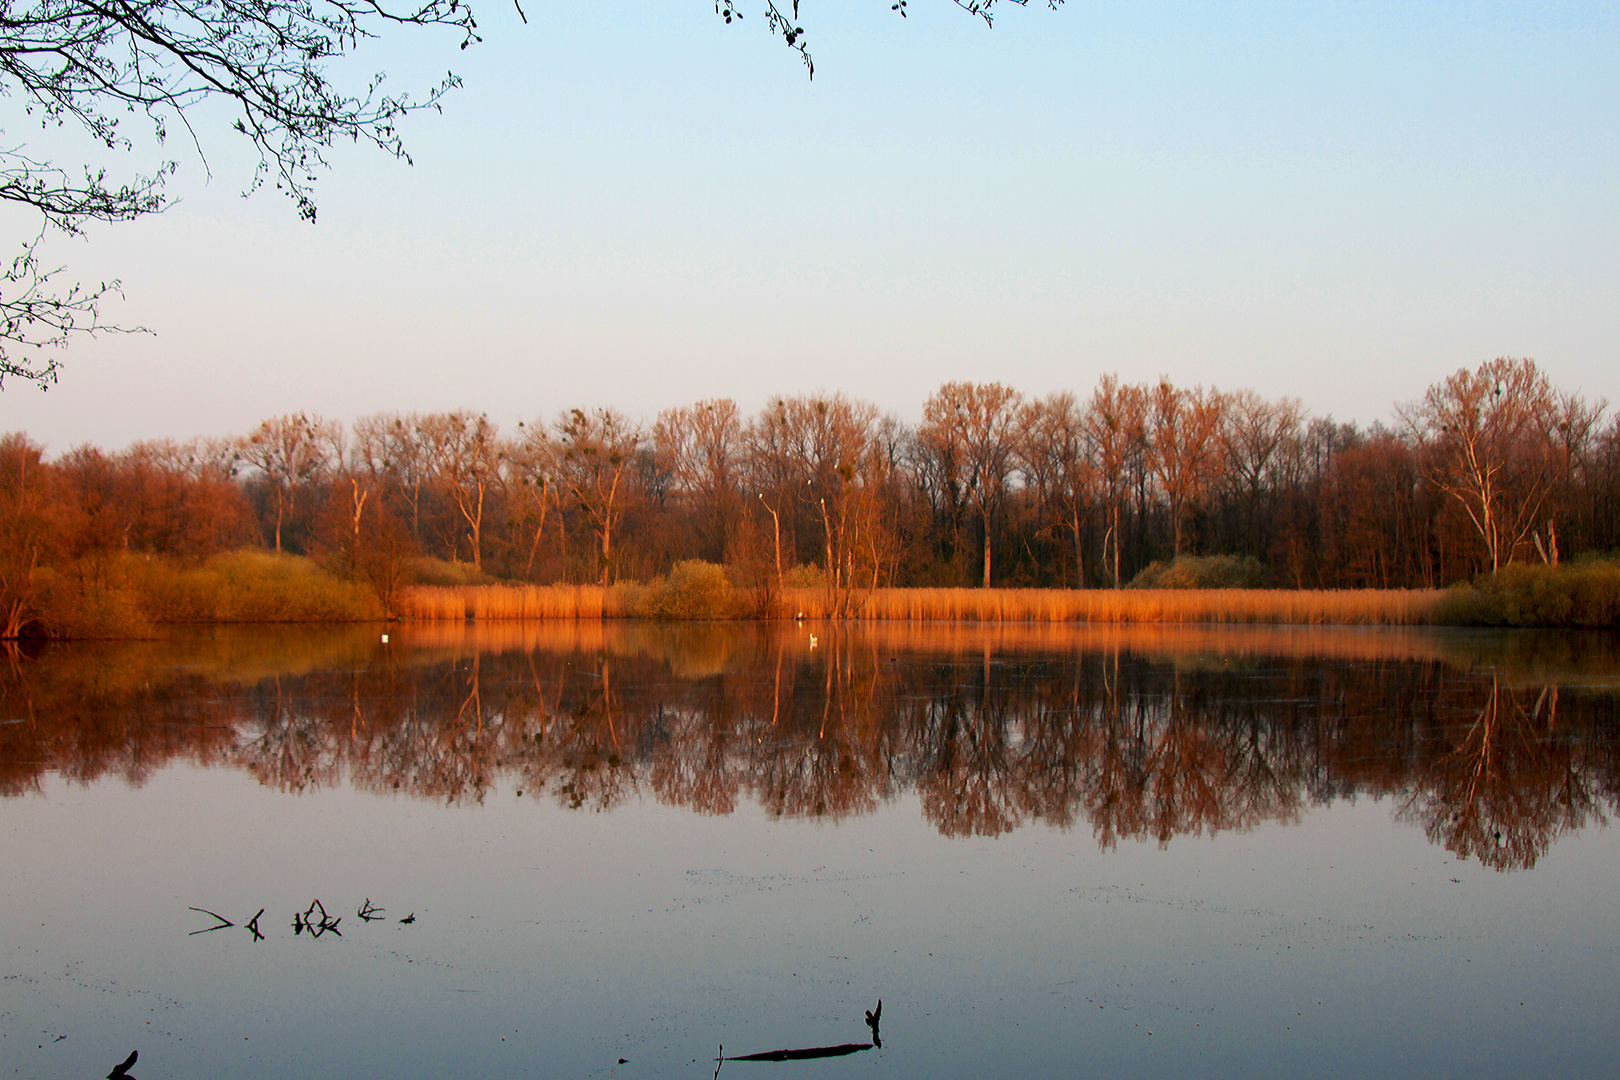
[991, 488]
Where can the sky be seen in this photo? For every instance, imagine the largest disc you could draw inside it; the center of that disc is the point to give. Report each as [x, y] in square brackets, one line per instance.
[635, 205]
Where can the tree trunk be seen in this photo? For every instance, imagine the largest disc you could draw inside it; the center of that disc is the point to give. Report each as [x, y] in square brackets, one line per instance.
[987, 551]
[1079, 561]
[279, 501]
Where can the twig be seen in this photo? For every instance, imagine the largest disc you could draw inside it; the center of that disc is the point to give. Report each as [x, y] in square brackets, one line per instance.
[306, 920]
[223, 922]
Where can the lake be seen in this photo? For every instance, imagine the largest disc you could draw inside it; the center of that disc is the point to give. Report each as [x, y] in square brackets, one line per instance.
[611, 849]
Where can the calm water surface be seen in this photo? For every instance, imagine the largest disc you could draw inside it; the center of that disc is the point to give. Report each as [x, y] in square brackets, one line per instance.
[1049, 851]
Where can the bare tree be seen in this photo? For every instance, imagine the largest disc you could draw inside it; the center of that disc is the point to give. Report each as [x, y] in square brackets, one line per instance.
[1253, 438]
[1113, 422]
[1494, 439]
[532, 462]
[1183, 447]
[290, 452]
[975, 424]
[700, 446]
[1051, 453]
[595, 455]
[391, 446]
[802, 455]
[467, 456]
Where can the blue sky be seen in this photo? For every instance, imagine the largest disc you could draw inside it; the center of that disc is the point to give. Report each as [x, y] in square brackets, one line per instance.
[636, 205]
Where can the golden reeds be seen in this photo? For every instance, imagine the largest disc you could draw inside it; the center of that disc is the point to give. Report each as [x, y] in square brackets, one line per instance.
[1350, 607]
[520, 602]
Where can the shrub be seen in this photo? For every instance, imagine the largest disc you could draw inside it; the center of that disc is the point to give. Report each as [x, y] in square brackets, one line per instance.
[90, 599]
[1584, 594]
[1202, 572]
[252, 586]
[805, 576]
[693, 590]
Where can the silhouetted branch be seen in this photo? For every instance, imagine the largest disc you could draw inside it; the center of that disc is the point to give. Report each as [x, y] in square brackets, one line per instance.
[306, 920]
[96, 63]
[793, 34]
[34, 316]
[223, 922]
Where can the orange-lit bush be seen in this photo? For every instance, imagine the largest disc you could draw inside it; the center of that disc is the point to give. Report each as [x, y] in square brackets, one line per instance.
[1583, 594]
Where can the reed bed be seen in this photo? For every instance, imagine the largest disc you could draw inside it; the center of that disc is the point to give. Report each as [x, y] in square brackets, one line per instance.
[499, 602]
[1389, 607]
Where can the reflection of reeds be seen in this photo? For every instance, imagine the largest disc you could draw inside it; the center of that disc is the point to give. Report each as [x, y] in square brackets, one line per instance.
[250, 653]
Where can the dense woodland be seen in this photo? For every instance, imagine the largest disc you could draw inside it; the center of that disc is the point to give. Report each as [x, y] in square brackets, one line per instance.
[991, 488]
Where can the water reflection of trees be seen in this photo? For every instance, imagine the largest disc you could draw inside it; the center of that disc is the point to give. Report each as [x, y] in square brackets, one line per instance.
[1135, 745]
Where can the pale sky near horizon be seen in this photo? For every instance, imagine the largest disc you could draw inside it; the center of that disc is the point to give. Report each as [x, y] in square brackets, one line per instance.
[636, 205]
